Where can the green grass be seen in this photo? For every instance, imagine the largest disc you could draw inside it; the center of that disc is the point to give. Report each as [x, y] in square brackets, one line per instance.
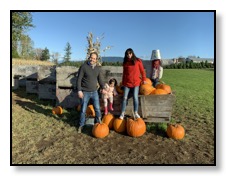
[194, 90]
[35, 129]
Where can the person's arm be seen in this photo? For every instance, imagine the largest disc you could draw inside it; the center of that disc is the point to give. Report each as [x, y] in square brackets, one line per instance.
[160, 72]
[79, 82]
[100, 79]
[141, 67]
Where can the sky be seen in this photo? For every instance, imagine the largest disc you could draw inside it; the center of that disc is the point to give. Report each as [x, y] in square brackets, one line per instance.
[175, 34]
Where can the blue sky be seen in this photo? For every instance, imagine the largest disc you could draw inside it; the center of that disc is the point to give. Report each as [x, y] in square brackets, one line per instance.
[173, 33]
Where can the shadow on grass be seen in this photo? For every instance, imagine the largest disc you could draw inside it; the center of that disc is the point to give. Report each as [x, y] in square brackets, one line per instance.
[31, 103]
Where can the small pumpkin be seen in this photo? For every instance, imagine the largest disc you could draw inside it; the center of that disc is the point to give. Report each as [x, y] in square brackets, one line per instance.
[159, 92]
[108, 119]
[100, 130]
[119, 125]
[57, 110]
[119, 88]
[90, 111]
[146, 89]
[79, 107]
[175, 131]
[165, 87]
[135, 127]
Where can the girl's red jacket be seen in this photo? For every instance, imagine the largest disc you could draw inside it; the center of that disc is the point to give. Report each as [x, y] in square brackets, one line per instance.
[133, 74]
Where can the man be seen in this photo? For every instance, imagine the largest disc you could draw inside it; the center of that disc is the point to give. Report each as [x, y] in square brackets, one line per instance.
[88, 77]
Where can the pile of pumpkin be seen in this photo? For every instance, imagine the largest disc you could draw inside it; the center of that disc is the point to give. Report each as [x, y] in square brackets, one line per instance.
[148, 89]
[133, 127]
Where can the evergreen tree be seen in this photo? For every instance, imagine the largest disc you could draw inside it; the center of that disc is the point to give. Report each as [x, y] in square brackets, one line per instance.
[67, 56]
[45, 54]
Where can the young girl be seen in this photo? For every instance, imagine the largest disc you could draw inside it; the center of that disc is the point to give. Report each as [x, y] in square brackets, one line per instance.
[107, 94]
[156, 71]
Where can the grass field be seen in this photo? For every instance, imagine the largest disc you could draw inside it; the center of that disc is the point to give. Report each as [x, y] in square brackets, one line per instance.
[39, 137]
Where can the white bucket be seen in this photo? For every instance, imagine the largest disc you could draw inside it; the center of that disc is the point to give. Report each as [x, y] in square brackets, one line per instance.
[155, 55]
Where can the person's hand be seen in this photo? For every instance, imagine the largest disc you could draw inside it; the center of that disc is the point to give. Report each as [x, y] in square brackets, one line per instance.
[144, 82]
[80, 94]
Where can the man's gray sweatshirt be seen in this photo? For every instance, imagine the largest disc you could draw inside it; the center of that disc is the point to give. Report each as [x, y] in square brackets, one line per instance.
[88, 78]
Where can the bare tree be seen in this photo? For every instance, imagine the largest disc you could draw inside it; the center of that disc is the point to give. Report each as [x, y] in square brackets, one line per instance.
[55, 57]
[37, 53]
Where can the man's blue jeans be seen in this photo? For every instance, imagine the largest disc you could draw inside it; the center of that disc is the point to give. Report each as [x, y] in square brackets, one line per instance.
[84, 103]
[135, 98]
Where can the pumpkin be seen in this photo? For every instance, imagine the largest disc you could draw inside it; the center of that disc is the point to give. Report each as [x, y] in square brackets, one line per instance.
[175, 131]
[135, 127]
[57, 110]
[108, 120]
[89, 110]
[165, 87]
[159, 92]
[79, 108]
[100, 130]
[119, 88]
[146, 89]
[119, 125]
[148, 81]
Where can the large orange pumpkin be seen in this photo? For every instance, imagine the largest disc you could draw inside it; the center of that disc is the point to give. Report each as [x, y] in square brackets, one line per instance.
[135, 128]
[100, 130]
[57, 110]
[175, 131]
[159, 92]
[146, 89]
[108, 120]
[148, 81]
[119, 125]
[165, 87]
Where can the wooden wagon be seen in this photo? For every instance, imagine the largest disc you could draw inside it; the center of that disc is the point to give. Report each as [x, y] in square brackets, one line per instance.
[152, 108]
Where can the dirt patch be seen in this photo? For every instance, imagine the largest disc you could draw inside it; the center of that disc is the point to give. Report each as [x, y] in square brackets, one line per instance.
[61, 144]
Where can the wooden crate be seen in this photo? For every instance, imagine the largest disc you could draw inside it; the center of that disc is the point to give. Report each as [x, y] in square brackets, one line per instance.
[67, 98]
[66, 76]
[47, 91]
[32, 86]
[46, 78]
[46, 74]
[109, 72]
[152, 108]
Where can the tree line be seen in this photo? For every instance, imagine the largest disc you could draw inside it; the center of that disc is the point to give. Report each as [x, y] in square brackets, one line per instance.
[189, 65]
[23, 46]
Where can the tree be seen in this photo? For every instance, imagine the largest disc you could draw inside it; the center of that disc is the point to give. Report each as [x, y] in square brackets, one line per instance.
[37, 53]
[67, 56]
[55, 57]
[45, 54]
[25, 47]
[21, 22]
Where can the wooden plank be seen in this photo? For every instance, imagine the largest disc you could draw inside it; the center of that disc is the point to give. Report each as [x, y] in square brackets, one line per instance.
[67, 98]
[157, 119]
[66, 76]
[47, 91]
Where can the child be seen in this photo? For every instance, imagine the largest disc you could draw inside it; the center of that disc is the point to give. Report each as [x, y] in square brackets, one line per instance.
[107, 94]
[156, 71]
